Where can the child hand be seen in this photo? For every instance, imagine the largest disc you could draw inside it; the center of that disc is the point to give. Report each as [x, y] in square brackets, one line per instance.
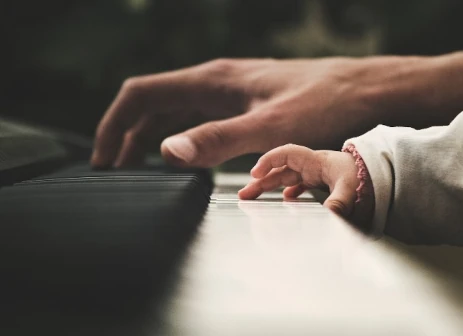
[299, 168]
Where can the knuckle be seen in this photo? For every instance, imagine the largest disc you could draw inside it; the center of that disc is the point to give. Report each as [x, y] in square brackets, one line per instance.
[221, 66]
[290, 155]
[290, 146]
[132, 86]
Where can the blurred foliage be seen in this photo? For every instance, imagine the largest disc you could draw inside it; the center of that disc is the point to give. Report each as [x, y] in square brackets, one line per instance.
[65, 60]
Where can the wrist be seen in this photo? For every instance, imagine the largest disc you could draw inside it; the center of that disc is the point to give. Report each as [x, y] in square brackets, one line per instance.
[444, 91]
[365, 203]
[365, 187]
[413, 91]
[380, 90]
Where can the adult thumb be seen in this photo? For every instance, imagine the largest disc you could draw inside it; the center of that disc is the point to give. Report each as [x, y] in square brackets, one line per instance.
[214, 142]
[342, 199]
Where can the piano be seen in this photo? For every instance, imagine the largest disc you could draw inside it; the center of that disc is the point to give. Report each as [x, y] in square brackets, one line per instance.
[162, 251]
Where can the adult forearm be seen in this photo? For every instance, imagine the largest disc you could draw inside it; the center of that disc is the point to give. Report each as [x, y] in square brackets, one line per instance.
[446, 86]
[415, 91]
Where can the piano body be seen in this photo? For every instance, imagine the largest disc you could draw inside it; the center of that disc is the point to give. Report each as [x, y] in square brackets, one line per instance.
[263, 267]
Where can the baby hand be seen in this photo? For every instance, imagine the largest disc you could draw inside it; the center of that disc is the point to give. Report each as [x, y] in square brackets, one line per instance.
[299, 168]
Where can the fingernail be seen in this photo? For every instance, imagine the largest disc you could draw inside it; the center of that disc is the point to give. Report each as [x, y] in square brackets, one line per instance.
[182, 147]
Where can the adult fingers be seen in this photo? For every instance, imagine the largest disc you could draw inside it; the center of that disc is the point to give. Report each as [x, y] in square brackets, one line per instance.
[155, 94]
[120, 116]
[214, 142]
[136, 143]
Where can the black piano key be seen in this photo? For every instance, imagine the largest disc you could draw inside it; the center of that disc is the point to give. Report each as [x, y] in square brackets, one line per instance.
[98, 236]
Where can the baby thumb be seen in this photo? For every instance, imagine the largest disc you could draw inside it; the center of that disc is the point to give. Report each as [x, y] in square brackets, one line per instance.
[341, 199]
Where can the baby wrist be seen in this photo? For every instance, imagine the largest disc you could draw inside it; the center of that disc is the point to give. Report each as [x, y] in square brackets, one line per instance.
[365, 188]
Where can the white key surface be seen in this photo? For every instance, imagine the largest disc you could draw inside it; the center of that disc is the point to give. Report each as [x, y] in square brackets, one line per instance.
[270, 267]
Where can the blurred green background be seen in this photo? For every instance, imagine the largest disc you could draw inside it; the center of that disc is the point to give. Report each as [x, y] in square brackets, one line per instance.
[63, 61]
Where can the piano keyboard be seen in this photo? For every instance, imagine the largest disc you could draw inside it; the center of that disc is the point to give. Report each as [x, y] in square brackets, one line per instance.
[92, 254]
[269, 267]
[71, 233]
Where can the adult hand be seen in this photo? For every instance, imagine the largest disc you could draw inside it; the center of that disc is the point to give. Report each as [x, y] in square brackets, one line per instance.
[226, 108]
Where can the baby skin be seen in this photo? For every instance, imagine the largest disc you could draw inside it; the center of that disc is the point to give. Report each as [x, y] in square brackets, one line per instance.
[299, 168]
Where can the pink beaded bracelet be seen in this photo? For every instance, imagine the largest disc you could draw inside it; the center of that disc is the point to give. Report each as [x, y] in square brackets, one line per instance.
[366, 186]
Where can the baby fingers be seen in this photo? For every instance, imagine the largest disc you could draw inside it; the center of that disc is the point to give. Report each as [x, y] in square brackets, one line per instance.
[273, 180]
[294, 191]
[297, 158]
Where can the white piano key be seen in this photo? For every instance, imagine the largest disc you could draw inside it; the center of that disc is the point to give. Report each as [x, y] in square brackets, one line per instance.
[294, 268]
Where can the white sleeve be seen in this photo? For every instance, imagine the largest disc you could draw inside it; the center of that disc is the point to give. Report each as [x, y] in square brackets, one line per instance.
[417, 178]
